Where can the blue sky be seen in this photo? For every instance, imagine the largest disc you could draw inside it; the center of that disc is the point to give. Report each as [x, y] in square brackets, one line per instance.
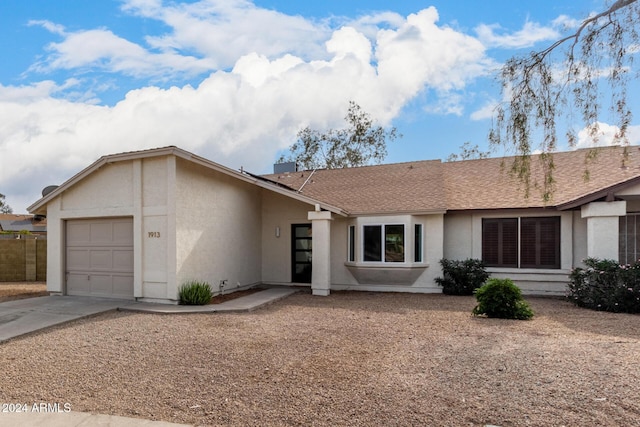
[235, 80]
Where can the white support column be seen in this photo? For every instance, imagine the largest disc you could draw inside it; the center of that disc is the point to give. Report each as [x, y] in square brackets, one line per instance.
[603, 228]
[321, 250]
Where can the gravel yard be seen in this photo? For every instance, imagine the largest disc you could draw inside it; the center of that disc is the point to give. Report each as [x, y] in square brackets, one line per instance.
[358, 359]
[16, 290]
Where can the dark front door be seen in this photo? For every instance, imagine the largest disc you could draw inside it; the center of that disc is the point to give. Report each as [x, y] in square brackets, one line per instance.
[301, 253]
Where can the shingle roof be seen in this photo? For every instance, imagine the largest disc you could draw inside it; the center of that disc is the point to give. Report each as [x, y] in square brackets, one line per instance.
[399, 187]
[430, 186]
[487, 184]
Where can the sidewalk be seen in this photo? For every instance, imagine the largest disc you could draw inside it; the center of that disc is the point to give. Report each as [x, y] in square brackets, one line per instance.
[76, 419]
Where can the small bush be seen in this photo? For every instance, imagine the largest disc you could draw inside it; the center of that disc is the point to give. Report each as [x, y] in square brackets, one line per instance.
[606, 285]
[501, 298]
[195, 293]
[462, 277]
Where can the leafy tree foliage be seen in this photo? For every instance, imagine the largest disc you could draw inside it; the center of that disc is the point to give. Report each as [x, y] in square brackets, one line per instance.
[468, 152]
[566, 79]
[4, 207]
[360, 143]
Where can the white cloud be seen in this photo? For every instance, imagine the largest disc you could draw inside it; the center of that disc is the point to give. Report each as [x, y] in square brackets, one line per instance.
[101, 49]
[605, 135]
[530, 34]
[224, 30]
[240, 116]
[566, 22]
[485, 112]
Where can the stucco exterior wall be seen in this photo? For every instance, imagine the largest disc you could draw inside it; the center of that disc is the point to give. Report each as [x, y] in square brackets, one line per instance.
[154, 225]
[458, 236]
[219, 223]
[279, 212]
[579, 239]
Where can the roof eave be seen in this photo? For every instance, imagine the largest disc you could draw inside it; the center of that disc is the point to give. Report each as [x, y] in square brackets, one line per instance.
[605, 192]
[435, 211]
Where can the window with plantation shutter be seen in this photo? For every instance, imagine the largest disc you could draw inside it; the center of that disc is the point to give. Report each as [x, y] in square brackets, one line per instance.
[500, 242]
[538, 241]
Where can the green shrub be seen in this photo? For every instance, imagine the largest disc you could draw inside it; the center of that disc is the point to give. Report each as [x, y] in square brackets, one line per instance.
[461, 277]
[195, 293]
[606, 285]
[501, 298]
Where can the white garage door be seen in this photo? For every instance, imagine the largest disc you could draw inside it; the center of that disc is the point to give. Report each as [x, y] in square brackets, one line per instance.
[99, 257]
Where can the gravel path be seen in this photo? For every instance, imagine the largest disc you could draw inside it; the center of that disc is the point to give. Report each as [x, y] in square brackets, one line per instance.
[352, 359]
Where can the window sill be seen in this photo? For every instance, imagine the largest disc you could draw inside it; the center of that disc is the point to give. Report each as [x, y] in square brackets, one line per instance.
[379, 273]
[514, 270]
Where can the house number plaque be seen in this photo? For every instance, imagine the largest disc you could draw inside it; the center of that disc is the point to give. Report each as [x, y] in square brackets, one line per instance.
[154, 234]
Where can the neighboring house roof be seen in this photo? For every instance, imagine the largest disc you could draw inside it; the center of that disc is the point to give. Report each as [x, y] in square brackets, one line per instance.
[12, 222]
[468, 185]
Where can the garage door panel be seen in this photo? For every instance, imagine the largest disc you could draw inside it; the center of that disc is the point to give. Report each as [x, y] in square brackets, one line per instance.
[101, 233]
[77, 284]
[123, 233]
[122, 285]
[78, 233]
[100, 257]
[78, 259]
[101, 285]
[101, 260]
[123, 260]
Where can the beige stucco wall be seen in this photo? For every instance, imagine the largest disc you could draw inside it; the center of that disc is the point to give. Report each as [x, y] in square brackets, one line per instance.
[579, 239]
[279, 212]
[219, 224]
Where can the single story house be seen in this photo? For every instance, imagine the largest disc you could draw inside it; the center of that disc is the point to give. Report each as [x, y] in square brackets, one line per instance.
[139, 224]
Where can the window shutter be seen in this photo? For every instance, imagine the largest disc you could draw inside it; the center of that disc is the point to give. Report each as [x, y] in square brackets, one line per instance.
[500, 242]
[490, 242]
[509, 241]
[540, 242]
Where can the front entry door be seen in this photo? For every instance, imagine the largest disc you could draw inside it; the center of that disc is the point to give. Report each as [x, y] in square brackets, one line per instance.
[301, 253]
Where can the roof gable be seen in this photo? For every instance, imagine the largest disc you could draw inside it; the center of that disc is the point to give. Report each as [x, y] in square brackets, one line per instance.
[39, 207]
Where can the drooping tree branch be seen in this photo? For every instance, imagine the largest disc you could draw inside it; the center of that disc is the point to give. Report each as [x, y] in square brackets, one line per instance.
[542, 87]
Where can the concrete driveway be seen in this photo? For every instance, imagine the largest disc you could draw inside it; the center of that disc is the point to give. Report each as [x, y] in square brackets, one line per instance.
[27, 315]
